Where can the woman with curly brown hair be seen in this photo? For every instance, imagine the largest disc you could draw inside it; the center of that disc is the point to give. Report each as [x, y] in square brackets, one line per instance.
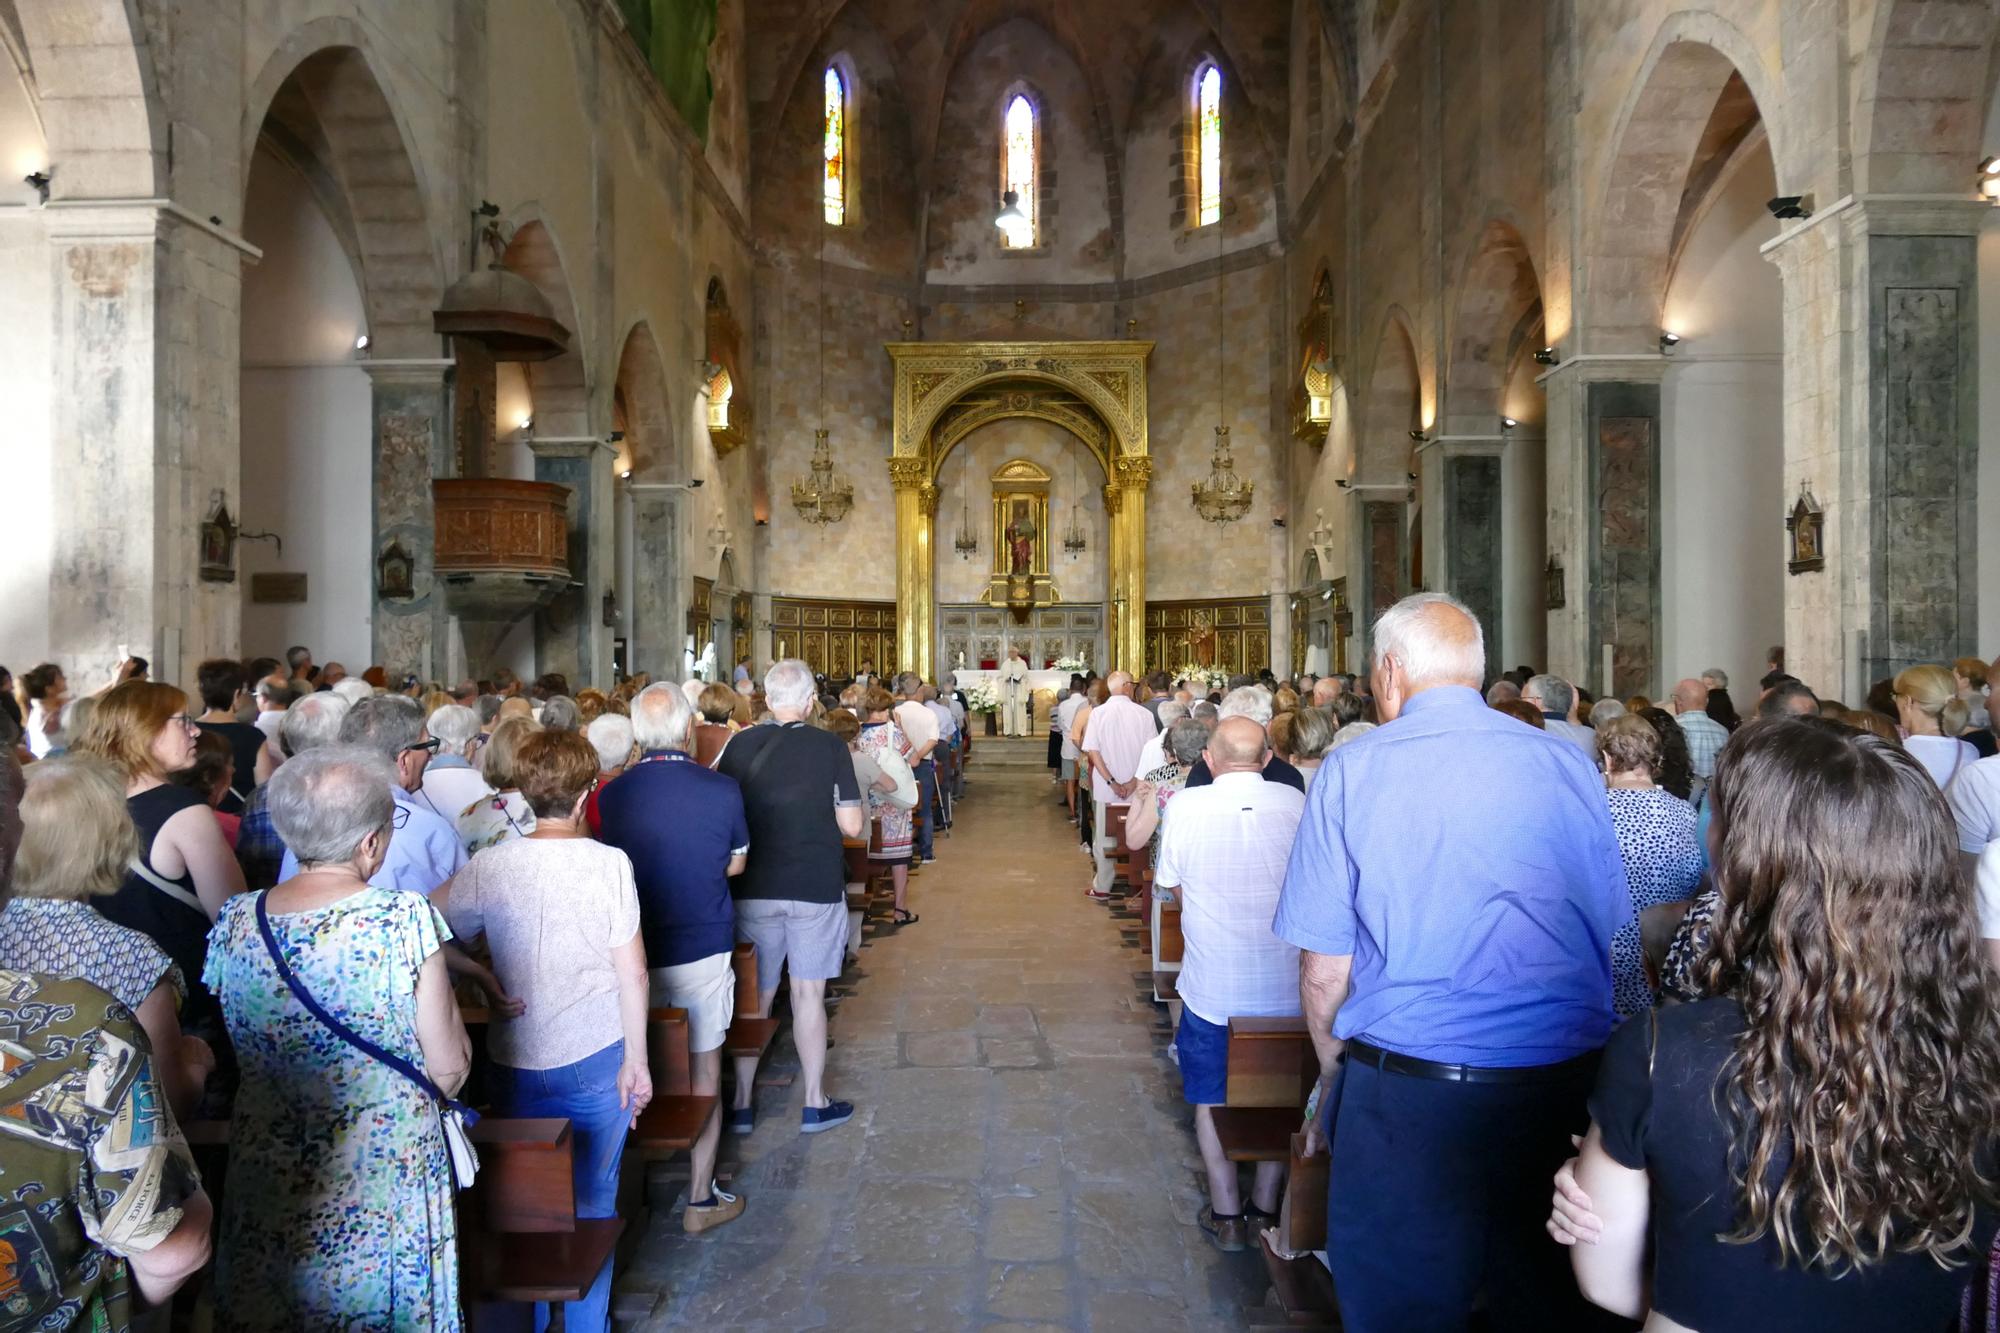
[1812, 1146]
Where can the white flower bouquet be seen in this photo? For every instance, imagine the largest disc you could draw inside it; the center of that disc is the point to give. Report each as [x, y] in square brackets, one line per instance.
[1211, 677]
[981, 697]
[1076, 666]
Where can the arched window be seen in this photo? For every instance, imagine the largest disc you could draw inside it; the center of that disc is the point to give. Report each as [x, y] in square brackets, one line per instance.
[1018, 133]
[835, 149]
[1208, 143]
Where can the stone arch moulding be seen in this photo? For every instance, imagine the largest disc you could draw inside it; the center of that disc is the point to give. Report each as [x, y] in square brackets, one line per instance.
[331, 63]
[1922, 93]
[1629, 236]
[1110, 377]
[109, 96]
[1499, 288]
[560, 387]
[652, 445]
[1391, 406]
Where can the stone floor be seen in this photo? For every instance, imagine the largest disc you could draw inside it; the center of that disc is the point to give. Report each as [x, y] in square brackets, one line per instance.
[1019, 1157]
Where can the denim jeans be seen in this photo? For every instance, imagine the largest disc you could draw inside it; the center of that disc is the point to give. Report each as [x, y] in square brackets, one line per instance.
[586, 1093]
[926, 774]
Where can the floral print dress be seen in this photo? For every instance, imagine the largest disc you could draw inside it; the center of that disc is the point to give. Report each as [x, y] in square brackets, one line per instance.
[897, 823]
[349, 1223]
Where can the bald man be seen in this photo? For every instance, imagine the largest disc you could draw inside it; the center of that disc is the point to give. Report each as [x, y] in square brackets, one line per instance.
[1453, 890]
[1223, 851]
[1706, 736]
[1325, 690]
[1114, 736]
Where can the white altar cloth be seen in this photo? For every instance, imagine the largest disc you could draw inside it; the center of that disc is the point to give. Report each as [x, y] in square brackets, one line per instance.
[1037, 680]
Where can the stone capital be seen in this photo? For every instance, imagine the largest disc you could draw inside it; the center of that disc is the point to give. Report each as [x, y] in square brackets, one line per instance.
[1133, 473]
[1114, 500]
[407, 372]
[908, 474]
[927, 498]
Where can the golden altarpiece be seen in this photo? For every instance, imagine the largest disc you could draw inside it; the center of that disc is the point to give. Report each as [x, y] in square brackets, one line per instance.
[944, 391]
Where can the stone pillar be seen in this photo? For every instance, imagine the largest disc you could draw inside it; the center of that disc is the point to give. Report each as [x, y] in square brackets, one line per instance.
[1125, 506]
[570, 633]
[1462, 527]
[412, 445]
[1379, 553]
[916, 503]
[656, 615]
[1603, 459]
[145, 313]
[1881, 424]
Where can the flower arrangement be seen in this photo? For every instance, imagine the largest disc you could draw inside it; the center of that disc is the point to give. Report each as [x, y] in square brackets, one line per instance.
[980, 697]
[1074, 665]
[1211, 677]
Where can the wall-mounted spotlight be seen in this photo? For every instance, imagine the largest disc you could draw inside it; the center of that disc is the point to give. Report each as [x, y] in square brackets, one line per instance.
[1989, 179]
[1669, 340]
[526, 423]
[1545, 356]
[1790, 206]
[362, 342]
[1508, 423]
[1420, 437]
[40, 180]
[1342, 482]
[1410, 476]
[615, 437]
[625, 475]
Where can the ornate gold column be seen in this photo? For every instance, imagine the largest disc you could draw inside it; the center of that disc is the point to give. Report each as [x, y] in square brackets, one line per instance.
[916, 502]
[1125, 502]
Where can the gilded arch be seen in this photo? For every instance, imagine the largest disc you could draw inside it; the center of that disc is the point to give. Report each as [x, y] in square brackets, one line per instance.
[1069, 383]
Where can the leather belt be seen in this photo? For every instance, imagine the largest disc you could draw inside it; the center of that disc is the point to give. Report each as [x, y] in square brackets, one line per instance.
[1390, 1062]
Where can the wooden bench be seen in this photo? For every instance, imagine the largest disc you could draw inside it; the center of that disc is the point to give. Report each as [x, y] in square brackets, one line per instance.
[1302, 1293]
[1271, 1072]
[748, 1034]
[1169, 948]
[675, 1117]
[519, 1236]
[1114, 829]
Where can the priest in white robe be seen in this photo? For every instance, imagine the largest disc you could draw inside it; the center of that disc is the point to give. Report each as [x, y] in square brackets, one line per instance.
[1014, 695]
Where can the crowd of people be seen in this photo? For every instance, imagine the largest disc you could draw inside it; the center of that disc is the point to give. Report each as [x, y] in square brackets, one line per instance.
[267, 904]
[1722, 988]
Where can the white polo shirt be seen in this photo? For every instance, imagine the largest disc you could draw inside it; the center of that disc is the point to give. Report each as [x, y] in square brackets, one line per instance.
[1225, 847]
[1975, 804]
[1116, 731]
[918, 723]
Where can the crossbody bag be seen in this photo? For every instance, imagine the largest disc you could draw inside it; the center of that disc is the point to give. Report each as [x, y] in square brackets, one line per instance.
[453, 1115]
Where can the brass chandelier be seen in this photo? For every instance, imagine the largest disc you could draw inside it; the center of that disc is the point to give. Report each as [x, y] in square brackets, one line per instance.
[1224, 497]
[823, 495]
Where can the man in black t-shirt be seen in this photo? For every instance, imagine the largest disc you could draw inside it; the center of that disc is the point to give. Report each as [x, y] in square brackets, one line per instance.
[800, 797]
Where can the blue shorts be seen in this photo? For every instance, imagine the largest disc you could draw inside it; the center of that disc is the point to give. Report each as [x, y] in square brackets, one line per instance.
[1204, 1050]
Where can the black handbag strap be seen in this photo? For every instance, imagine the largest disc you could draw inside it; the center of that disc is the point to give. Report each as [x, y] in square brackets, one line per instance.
[344, 1032]
[763, 756]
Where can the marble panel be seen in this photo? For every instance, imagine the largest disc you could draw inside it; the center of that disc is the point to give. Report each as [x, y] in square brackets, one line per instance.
[655, 640]
[1624, 571]
[1472, 537]
[411, 447]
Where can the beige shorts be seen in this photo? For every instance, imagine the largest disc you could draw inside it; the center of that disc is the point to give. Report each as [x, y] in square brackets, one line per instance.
[706, 988]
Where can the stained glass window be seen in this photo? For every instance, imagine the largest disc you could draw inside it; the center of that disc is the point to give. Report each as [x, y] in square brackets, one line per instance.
[1208, 147]
[1020, 133]
[836, 147]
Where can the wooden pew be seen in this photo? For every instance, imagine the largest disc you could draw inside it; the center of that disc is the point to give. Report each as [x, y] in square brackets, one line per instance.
[1271, 1070]
[1301, 1288]
[1169, 947]
[675, 1117]
[748, 1035]
[1114, 829]
[519, 1236]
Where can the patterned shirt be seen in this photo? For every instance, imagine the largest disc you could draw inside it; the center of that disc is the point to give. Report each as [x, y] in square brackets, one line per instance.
[61, 938]
[259, 849]
[1705, 737]
[92, 1166]
[1663, 861]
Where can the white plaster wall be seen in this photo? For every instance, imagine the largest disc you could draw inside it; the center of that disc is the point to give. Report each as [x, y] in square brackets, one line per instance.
[968, 473]
[1721, 468]
[306, 411]
[24, 384]
[1989, 418]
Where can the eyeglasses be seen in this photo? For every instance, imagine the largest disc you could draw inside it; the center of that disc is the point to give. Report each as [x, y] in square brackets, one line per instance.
[186, 720]
[428, 746]
[400, 818]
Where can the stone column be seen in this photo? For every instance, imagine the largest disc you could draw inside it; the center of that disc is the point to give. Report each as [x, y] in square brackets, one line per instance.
[145, 306]
[656, 616]
[1132, 477]
[1603, 459]
[570, 634]
[916, 502]
[1379, 553]
[1881, 424]
[1462, 527]
[412, 445]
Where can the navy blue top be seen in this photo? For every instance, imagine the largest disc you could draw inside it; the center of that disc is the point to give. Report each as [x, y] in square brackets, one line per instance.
[680, 824]
[1468, 865]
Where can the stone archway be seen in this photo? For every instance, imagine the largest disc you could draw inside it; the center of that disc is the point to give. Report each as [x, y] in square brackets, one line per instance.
[1108, 378]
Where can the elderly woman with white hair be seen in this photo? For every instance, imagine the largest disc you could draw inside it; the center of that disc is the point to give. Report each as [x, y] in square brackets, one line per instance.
[452, 780]
[1253, 702]
[343, 1020]
[611, 736]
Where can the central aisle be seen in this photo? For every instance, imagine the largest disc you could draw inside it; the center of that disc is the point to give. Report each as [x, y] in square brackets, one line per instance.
[1020, 1155]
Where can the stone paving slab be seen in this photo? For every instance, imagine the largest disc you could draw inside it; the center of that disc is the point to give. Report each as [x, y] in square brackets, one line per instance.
[1020, 1156]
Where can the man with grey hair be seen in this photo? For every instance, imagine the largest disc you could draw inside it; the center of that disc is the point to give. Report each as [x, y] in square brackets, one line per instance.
[426, 850]
[1502, 691]
[1325, 690]
[560, 713]
[1556, 698]
[452, 781]
[1455, 976]
[681, 867]
[312, 721]
[1154, 752]
[1113, 736]
[1715, 678]
[800, 797]
[1252, 702]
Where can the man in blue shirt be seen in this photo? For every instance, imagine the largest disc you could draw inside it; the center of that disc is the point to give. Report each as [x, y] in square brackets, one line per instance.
[684, 828]
[1454, 889]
